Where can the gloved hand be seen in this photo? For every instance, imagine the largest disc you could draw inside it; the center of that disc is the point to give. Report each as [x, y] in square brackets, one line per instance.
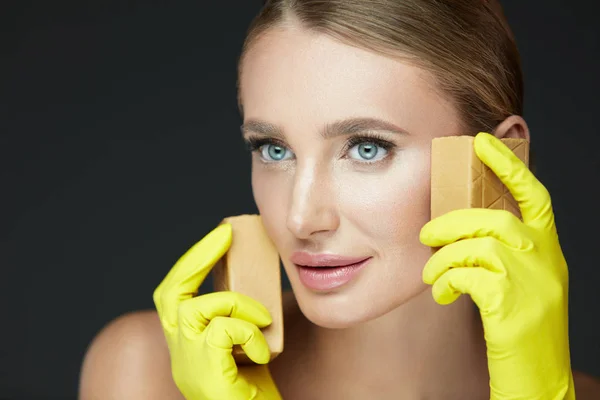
[201, 331]
[517, 275]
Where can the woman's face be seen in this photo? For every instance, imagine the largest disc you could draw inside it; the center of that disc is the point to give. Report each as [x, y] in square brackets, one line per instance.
[342, 169]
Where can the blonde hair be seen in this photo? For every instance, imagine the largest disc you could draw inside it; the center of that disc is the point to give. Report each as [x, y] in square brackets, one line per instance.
[466, 45]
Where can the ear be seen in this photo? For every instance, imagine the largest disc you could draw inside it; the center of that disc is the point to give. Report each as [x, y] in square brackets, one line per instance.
[513, 127]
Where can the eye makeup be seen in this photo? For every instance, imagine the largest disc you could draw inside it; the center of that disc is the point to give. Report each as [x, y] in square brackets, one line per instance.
[255, 143]
[371, 139]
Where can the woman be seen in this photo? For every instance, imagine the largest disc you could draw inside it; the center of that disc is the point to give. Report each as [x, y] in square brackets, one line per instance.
[340, 101]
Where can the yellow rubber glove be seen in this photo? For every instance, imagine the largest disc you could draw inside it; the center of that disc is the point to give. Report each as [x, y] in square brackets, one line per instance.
[201, 331]
[517, 275]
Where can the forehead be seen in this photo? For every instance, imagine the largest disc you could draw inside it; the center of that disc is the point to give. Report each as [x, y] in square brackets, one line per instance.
[294, 76]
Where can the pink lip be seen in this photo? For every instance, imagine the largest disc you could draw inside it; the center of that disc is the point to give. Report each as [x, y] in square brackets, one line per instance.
[323, 260]
[322, 272]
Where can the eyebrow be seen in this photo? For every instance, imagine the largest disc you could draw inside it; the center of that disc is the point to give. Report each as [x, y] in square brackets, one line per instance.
[343, 127]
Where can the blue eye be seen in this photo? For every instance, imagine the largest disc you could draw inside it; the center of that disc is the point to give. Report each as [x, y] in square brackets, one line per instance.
[368, 151]
[273, 152]
[364, 149]
[268, 149]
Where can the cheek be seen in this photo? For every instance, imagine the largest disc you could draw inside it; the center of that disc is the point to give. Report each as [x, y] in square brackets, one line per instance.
[271, 191]
[391, 208]
[385, 209]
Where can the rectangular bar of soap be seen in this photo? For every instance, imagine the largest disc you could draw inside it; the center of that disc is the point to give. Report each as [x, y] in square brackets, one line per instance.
[460, 180]
[251, 267]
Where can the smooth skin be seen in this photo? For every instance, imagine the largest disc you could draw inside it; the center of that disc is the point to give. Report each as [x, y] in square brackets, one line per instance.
[328, 200]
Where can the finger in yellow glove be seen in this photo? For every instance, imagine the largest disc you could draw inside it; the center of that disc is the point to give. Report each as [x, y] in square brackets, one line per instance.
[201, 331]
[517, 275]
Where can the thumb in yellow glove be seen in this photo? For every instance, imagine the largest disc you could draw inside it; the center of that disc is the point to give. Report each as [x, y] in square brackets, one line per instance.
[201, 331]
[517, 275]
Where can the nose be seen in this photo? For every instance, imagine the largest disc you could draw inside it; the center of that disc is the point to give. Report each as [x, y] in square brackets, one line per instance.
[313, 207]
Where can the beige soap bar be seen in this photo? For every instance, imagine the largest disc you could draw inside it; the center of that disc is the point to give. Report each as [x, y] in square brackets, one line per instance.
[460, 180]
[251, 267]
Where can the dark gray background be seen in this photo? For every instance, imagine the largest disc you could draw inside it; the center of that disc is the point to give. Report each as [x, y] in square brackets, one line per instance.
[120, 148]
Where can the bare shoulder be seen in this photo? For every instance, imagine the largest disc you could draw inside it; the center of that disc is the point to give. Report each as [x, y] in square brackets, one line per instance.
[128, 359]
[587, 387]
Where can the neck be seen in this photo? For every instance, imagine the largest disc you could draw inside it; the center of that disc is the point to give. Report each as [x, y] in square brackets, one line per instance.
[405, 351]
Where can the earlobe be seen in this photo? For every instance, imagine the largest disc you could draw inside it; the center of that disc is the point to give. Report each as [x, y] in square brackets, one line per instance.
[512, 127]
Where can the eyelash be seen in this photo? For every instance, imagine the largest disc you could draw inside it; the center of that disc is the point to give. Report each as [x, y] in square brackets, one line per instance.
[254, 144]
[373, 138]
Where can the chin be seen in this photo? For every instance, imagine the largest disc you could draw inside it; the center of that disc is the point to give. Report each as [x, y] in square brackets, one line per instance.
[353, 305]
